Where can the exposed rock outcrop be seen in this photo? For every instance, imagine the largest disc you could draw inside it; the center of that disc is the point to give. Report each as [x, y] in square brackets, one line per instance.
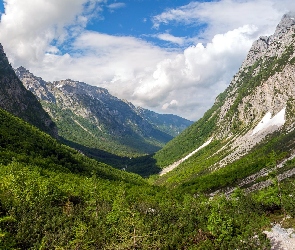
[258, 104]
[264, 83]
[16, 99]
[104, 118]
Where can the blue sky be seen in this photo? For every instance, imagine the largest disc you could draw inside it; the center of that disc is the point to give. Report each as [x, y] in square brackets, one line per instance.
[168, 56]
[134, 18]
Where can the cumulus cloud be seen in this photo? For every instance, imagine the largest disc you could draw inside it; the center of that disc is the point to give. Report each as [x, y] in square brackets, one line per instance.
[105, 60]
[51, 40]
[172, 105]
[198, 74]
[30, 29]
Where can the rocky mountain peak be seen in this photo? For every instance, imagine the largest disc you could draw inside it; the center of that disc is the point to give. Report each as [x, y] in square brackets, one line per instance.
[91, 116]
[257, 107]
[287, 21]
[22, 71]
[274, 45]
[35, 84]
[263, 85]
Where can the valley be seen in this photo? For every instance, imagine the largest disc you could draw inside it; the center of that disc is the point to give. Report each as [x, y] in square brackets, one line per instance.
[83, 169]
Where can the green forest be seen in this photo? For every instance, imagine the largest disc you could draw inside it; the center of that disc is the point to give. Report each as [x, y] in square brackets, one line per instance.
[54, 197]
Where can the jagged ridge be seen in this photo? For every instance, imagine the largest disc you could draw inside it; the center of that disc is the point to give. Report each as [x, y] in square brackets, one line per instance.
[93, 117]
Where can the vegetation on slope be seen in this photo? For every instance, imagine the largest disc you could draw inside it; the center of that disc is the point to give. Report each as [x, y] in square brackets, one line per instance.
[265, 155]
[82, 131]
[112, 150]
[21, 142]
[167, 123]
[202, 172]
[189, 139]
[52, 197]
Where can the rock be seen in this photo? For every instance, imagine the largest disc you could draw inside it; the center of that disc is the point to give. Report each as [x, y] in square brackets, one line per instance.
[73, 103]
[16, 99]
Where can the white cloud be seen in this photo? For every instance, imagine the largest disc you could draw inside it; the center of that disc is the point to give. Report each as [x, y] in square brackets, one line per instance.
[172, 104]
[170, 38]
[109, 60]
[115, 6]
[198, 74]
[29, 28]
[221, 16]
[34, 34]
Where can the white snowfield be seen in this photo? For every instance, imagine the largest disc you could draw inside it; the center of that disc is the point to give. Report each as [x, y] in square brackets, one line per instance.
[266, 122]
[175, 164]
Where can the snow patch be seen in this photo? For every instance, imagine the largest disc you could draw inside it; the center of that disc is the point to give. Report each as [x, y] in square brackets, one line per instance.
[175, 164]
[59, 86]
[266, 122]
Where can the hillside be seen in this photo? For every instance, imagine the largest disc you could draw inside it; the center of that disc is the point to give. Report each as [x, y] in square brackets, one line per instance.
[54, 197]
[252, 119]
[92, 117]
[232, 186]
[16, 99]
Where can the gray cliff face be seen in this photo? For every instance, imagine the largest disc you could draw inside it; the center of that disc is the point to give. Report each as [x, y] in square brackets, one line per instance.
[265, 83]
[77, 105]
[273, 45]
[16, 99]
[267, 77]
[35, 84]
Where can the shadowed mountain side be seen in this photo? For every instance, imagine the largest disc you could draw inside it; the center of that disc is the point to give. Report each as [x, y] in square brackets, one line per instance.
[16, 99]
[23, 143]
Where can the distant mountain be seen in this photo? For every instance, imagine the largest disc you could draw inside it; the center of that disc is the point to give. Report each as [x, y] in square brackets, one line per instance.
[16, 99]
[249, 123]
[92, 117]
[168, 123]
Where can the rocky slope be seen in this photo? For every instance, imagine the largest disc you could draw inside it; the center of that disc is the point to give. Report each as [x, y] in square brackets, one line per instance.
[255, 111]
[16, 99]
[265, 81]
[91, 116]
[264, 84]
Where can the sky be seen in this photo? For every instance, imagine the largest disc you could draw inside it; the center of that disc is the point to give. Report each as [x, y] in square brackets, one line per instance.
[168, 56]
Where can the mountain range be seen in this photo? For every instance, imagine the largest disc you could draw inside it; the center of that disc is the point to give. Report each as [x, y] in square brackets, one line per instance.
[221, 183]
[92, 117]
